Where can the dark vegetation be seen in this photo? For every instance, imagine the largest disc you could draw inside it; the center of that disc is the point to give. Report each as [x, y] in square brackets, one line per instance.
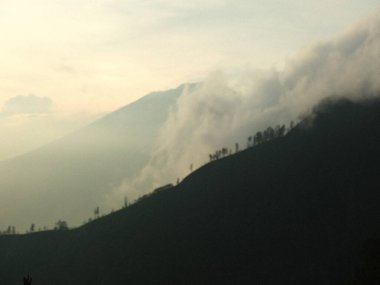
[368, 269]
[302, 208]
[27, 280]
[260, 137]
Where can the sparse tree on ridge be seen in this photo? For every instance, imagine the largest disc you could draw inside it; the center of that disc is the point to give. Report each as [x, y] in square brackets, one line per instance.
[219, 154]
[279, 131]
[258, 138]
[249, 143]
[291, 125]
[126, 201]
[268, 134]
[96, 212]
[61, 225]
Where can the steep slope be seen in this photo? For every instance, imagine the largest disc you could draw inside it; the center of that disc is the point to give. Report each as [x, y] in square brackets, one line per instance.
[295, 210]
[68, 178]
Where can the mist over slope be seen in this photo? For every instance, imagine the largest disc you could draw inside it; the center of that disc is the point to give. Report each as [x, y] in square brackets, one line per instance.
[222, 112]
[295, 210]
[67, 179]
[122, 155]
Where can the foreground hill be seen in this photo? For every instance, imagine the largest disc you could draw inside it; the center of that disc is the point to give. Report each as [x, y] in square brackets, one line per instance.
[296, 210]
[67, 179]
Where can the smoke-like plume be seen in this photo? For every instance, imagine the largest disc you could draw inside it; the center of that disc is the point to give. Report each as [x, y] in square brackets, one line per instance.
[219, 113]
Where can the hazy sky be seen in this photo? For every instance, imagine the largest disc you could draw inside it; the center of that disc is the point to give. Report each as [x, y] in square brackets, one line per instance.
[66, 62]
[97, 55]
[91, 56]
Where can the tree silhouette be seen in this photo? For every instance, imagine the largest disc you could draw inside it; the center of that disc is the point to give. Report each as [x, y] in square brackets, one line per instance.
[258, 138]
[32, 227]
[249, 143]
[236, 147]
[268, 134]
[96, 212]
[11, 230]
[126, 201]
[291, 125]
[279, 131]
[27, 280]
[61, 225]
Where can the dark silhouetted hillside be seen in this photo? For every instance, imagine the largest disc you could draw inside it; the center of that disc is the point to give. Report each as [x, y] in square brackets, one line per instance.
[299, 209]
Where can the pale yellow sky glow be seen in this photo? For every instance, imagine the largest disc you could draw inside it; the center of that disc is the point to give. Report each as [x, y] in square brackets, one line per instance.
[93, 56]
[66, 63]
[98, 55]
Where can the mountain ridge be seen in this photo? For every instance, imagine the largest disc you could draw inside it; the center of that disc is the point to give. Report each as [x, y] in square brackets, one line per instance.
[80, 169]
[294, 210]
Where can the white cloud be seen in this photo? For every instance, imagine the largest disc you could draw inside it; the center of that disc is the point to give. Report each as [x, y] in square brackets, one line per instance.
[220, 113]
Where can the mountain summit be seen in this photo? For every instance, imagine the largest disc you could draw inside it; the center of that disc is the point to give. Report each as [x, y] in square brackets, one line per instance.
[68, 178]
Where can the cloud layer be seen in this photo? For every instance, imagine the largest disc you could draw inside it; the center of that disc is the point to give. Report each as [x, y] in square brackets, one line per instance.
[29, 104]
[221, 112]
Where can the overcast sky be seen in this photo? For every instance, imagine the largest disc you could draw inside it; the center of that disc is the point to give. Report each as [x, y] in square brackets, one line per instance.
[93, 56]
